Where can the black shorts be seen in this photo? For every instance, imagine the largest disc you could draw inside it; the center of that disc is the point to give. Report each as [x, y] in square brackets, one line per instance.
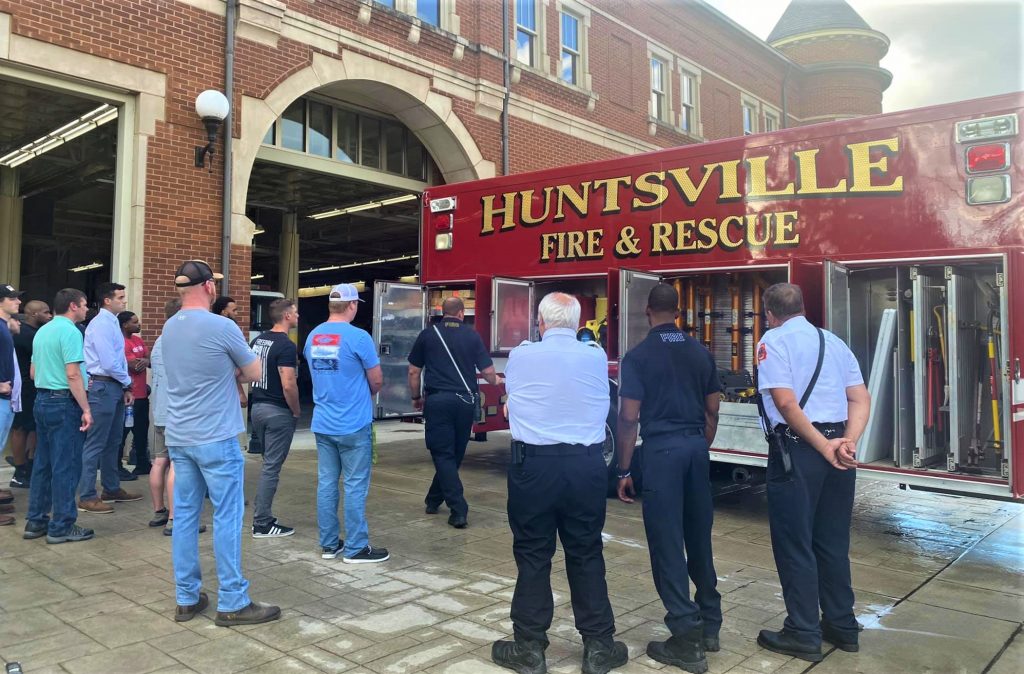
[25, 420]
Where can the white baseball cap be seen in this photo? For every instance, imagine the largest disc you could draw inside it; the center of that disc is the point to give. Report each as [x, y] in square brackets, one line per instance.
[344, 292]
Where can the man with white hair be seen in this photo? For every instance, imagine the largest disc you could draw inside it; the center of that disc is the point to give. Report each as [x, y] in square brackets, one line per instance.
[557, 404]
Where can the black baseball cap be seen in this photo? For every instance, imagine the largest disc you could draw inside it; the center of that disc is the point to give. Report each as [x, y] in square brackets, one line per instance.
[194, 272]
[7, 290]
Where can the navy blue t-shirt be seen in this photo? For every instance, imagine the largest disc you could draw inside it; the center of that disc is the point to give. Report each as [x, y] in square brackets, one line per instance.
[467, 348]
[671, 373]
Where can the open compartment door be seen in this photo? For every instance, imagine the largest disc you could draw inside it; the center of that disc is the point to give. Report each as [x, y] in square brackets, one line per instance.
[399, 314]
[634, 287]
[513, 316]
[808, 276]
[837, 300]
[930, 389]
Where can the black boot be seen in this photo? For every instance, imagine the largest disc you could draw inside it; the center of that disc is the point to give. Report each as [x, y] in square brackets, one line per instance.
[603, 655]
[844, 640]
[787, 643]
[524, 657]
[685, 651]
[712, 643]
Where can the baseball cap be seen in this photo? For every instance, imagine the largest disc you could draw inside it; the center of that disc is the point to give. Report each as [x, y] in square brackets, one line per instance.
[344, 292]
[7, 290]
[194, 272]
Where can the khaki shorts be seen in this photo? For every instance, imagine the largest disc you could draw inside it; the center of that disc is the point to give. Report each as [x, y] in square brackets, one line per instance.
[159, 443]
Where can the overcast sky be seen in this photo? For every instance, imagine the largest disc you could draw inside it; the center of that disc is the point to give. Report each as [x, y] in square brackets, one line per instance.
[942, 50]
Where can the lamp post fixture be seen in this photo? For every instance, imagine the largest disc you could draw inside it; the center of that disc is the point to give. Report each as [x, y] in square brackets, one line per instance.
[212, 107]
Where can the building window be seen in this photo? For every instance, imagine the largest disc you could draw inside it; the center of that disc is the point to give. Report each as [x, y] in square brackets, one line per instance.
[319, 129]
[271, 136]
[571, 51]
[659, 87]
[429, 11]
[386, 3]
[293, 126]
[348, 136]
[749, 118]
[369, 145]
[688, 111]
[771, 122]
[526, 32]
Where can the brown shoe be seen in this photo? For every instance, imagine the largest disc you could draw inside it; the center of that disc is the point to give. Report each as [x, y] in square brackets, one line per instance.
[6, 508]
[253, 614]
[119, 496]
[6, 496]
[6, 520]
[94, 506]
[185, 613]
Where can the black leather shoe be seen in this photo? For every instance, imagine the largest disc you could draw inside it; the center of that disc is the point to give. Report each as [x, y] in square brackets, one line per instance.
[458, 521]
[685, 651]
[841, 639]
[786, 643]
[183, 614]
[603, 655]
[711, 643]
[524, 657]
[431, 509]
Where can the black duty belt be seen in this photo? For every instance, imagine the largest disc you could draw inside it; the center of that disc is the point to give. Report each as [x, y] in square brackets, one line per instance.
[828, 429]
[561, 449]
[103, 377]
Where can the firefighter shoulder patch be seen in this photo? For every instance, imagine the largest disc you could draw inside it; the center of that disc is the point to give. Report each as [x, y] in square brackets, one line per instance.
[762, 353]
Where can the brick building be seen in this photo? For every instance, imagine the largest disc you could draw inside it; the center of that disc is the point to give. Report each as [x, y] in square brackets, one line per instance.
[339, 105]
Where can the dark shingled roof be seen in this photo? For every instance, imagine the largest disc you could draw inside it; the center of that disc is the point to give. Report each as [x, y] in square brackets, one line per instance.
[805, 16]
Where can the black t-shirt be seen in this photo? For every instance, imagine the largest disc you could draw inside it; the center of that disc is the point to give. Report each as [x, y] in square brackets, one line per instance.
[671, 373]
[23, 348]
[274, 350]
[467, 348]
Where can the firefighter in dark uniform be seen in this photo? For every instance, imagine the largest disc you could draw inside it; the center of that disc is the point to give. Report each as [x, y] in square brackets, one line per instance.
[811, 473]
[451, 352]
[557, 486]
[670, 385]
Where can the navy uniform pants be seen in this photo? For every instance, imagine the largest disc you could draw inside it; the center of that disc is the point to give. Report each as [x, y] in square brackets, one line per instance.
[561, 494]
[678, 514]
[449, 420]
[809, 512]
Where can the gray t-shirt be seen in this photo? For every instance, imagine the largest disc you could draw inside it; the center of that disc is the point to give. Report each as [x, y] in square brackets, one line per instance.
[200, 352]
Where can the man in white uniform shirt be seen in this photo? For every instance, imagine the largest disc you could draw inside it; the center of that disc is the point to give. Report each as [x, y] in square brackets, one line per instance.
[557, 404]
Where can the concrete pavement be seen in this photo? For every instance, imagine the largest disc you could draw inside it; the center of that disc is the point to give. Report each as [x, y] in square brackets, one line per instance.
[940, 584]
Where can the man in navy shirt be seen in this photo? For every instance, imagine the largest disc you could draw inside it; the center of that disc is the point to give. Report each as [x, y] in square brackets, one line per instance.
[451, 352]
[670, 386]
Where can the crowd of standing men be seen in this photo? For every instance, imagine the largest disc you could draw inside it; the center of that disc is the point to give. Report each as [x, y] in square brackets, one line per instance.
[558, 395]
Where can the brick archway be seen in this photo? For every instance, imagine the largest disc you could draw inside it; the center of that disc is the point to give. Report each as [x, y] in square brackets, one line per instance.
[402, 93]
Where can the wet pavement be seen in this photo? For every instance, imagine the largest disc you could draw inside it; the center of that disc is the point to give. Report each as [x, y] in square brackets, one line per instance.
[939, 580]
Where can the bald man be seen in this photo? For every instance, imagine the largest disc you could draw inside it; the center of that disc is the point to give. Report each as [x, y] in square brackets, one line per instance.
[23, 431]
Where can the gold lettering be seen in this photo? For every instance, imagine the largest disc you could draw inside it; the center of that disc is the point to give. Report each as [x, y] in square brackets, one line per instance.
[526, 207]
[661, 233]
[807, 164]
[508, 201]
[759, 179]
[730, 179]
[862, 166]
[650, 184]
[752, 239]
[547, 241]
[575, 245]
[578, 200]
[723, 232]
[684, 235]
[611, 192]
[784, 224]
[594, 243]
[707, 229]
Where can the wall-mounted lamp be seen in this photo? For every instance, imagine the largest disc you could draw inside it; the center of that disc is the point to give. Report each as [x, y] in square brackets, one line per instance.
[212, 107]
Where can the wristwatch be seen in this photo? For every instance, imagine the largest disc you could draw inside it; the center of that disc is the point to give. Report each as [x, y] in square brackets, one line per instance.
[622, 475]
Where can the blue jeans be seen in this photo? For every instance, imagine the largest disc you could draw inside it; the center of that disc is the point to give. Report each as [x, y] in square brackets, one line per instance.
[103, 441]
[220, 468]
[348, 456]
[6, 421]
[58, 461]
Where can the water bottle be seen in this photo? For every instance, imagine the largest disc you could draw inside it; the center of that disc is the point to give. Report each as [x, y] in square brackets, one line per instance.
[129, 416]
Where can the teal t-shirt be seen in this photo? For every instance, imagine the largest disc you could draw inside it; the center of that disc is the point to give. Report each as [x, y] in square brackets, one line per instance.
[339, 355]
[56, 344]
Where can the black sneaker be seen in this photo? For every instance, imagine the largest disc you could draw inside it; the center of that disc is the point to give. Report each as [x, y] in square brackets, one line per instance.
[272, 530]
[126, 475]
[19, 481]
[33, 531]
[458, 521]
[521, 656]
[785, 642]
[332, 552]
[74, 534]
[368, 555]
[159, 518]
[601, 656]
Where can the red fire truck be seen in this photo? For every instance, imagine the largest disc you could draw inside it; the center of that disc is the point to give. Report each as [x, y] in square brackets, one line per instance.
[905, 231]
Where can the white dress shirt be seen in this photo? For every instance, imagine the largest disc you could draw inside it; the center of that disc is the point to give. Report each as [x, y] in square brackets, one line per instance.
[557, 390]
